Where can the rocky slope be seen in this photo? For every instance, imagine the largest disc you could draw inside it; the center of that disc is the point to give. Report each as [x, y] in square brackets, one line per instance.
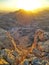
[22, 27]
[38, 56]
[22, 18]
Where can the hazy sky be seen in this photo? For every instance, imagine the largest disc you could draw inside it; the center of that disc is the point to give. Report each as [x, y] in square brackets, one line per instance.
[11, 4]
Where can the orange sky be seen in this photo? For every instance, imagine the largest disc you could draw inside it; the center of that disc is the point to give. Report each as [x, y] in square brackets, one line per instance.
[12, 5]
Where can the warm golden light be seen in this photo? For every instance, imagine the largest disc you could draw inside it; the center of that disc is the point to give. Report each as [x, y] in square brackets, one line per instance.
[12, 5]
[29, 4]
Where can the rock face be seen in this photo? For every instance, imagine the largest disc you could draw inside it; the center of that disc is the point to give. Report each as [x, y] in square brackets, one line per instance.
[42, 43]
[3, 62]
[38, 56]
[4, 40]
[7, 57]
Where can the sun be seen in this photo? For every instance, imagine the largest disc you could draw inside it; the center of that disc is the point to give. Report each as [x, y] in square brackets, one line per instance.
[29, 4]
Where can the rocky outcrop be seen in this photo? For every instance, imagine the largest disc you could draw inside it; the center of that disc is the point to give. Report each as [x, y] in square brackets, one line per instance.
[4, 40]
[3, 62]
[7, 57]
[38, 56]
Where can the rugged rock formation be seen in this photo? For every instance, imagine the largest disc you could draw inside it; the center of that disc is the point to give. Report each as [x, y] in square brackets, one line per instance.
[36, 54]
[30, 36]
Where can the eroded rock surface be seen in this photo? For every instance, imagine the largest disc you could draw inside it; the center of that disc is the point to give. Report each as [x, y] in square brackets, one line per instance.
[38, 56]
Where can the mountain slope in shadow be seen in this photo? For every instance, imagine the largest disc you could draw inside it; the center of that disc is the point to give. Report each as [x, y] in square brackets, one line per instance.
[22, 18]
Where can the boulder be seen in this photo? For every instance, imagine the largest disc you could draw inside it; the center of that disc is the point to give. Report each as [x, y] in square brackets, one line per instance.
[3, 62]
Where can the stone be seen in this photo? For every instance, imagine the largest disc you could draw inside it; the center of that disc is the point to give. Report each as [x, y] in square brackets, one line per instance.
[36, 61]
[26, 62]
[7, 55]
[44, 45]
[3, 62]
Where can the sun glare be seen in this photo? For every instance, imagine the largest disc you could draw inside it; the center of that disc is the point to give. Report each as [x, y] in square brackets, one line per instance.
[29, 4]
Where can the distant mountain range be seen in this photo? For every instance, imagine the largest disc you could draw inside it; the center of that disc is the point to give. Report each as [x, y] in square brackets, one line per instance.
[22, 18]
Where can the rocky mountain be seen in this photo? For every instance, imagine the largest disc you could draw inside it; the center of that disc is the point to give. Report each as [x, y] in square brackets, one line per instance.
[22, 26]
[22, 18]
